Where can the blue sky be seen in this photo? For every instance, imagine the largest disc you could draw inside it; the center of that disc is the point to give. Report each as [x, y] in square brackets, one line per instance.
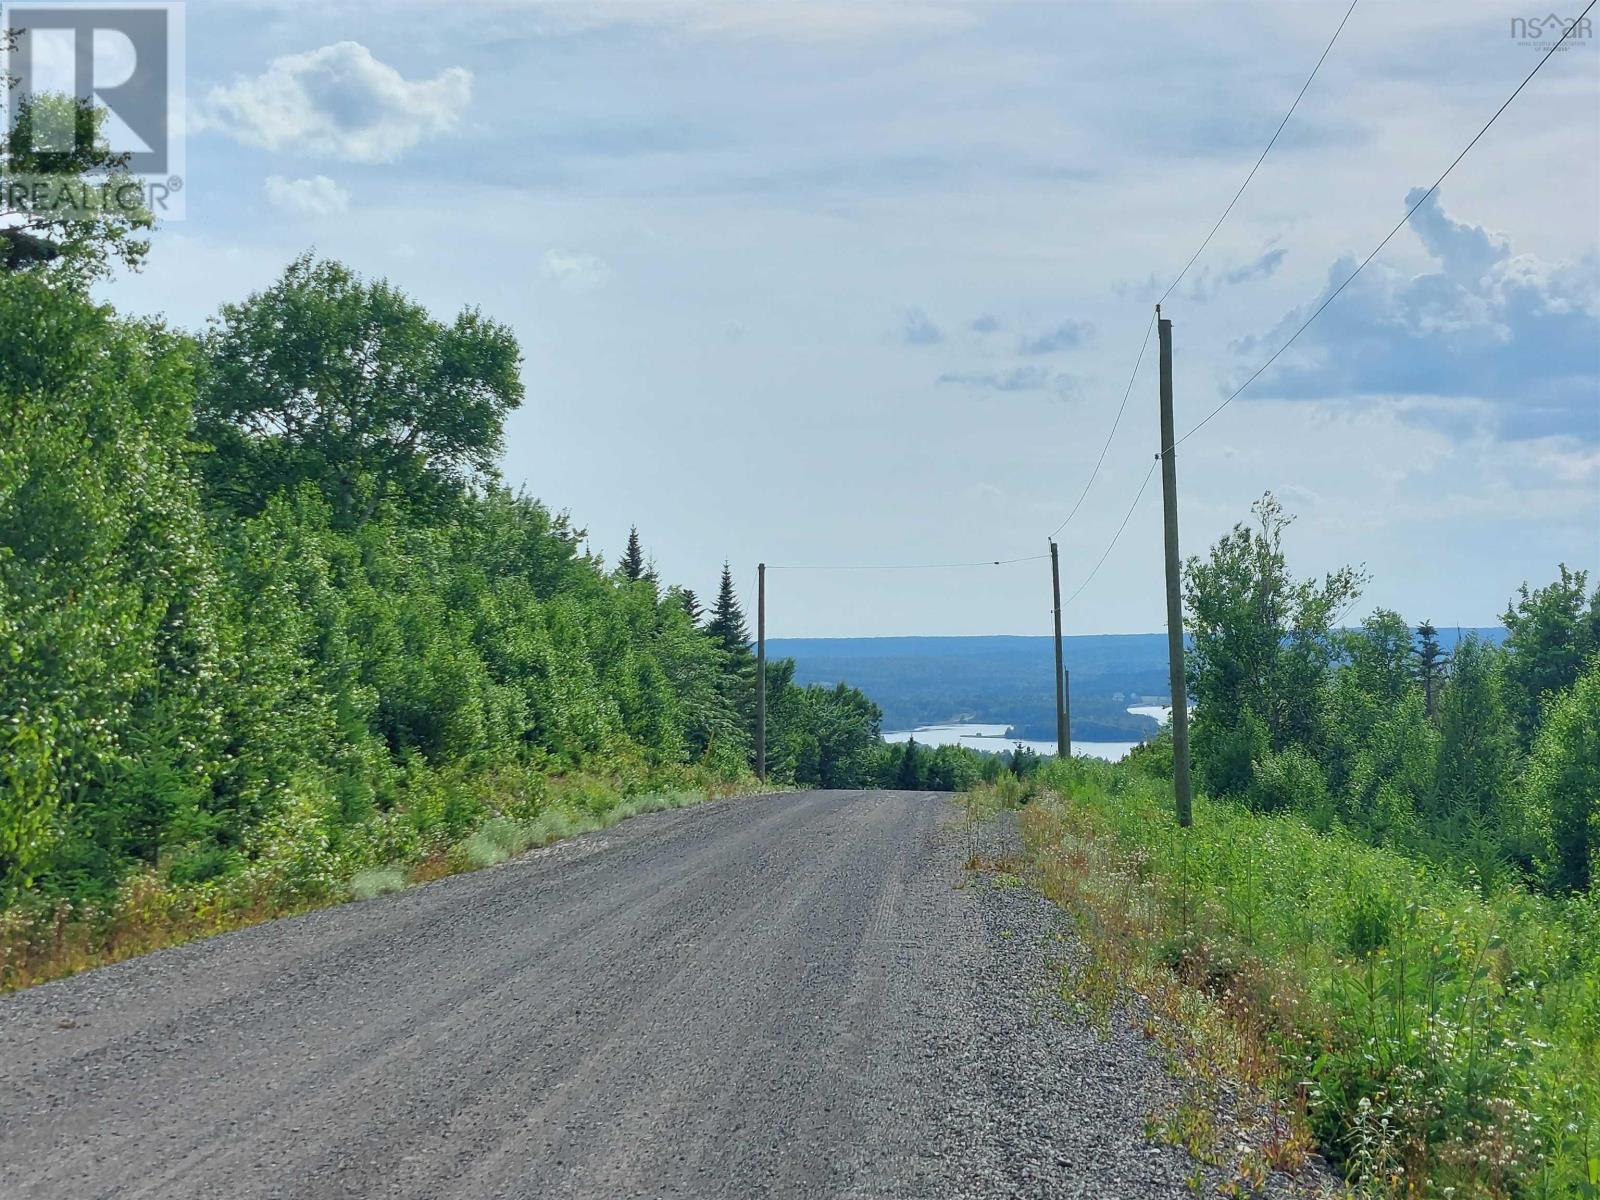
[846, 283]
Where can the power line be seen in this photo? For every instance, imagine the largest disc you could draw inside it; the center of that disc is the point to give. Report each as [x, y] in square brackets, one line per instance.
[1116, 537]
[1263, 158]
[1103, 449]
[1192, 259]
[948, 566]
[1256, 374]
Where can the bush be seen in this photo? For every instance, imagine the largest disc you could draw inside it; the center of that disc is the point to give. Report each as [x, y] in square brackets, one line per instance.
[1450, 1041]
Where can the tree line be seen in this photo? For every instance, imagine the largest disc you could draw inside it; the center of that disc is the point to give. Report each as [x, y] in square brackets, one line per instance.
[1486, 759]
[262, 588]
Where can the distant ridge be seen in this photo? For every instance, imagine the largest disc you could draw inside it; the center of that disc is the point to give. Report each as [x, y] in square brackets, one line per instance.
[1005, 679]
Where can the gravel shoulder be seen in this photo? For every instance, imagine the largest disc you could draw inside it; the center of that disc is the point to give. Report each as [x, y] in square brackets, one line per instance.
[802, 995]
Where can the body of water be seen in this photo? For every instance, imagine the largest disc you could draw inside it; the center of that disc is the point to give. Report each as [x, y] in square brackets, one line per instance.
[993, 738]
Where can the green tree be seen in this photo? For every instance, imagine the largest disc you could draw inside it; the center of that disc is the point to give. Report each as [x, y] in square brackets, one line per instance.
[952, 769]
[727, 626]
[1262, 647]
[820, 736]
[691, 605]
[632, 565]
[71, 205]
[1551, 633]
[1431, 664]
[1564, 784]
[109, 608]
[908, 777]
[1474, 798]
[354, 387]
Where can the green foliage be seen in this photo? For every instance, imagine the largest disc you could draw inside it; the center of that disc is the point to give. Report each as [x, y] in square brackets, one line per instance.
[1431, 663]
[72, 207]
[1564, 785]
[1552, 633]
[727, 626]
[1377, 731]
[1473, 790]
[908, 775]
[1449, 1043]
[818, 736]
[1261, 645]
[632, 565]
[298, 631]
[1289, 779]
[355, 388]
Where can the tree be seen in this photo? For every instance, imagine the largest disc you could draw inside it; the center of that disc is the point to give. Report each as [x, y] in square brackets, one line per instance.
[1477, 754]
[909, 777]
[1564, 784]
[727, 625]
[1550, 635]
[632, 565]
[72, 210]
[1431, 664]
[1379, 656]
[109, 609]
[354, 387]
[820, 736]
[1262, 648]
[691, 605]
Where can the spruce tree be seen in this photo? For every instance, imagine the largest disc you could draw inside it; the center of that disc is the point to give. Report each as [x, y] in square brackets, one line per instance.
[727, 626]
[632, 564]
[910, 777]
[1431, 663]
[1477, 751]
[691, 605]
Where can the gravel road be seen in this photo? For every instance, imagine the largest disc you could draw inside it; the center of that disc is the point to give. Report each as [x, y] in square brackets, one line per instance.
[800, 995]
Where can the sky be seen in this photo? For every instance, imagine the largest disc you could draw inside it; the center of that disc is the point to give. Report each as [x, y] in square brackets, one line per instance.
[854, 283]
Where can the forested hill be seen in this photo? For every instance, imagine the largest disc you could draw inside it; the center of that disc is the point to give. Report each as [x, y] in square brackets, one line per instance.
[1004, 680]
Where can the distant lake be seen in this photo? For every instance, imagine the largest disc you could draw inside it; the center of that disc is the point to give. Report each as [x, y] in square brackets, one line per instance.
[993, 739]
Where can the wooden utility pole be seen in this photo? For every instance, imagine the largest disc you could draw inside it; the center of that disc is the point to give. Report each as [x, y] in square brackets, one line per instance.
[1169, 496]
[761, 671]
[1063, 729]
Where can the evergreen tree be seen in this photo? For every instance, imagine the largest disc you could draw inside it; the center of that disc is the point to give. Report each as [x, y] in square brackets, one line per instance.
[632, 565]
[1564, 779]
[727, 625]
[691, 605]
[909, 778]
[1477, 752]
[1432, 662]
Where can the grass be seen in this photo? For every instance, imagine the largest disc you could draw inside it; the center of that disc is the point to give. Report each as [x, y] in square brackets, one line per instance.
[1429, 1040]
[304, 863]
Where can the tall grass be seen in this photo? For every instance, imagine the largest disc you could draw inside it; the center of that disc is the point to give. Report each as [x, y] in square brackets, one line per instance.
[1440, 1043]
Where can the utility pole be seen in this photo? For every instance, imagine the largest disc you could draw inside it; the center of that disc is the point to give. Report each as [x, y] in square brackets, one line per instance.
[1169, 496]
[1063, 729]
[761, 671]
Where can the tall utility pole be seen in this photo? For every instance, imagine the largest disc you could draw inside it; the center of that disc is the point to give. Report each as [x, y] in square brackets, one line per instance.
[1169, 496]
[761, 671]
[1063, 729]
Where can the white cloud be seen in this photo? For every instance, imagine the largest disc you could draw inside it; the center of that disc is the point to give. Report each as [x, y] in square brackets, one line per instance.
[336, 102]
[318, 196]
[1516, 332]
[575, 272]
